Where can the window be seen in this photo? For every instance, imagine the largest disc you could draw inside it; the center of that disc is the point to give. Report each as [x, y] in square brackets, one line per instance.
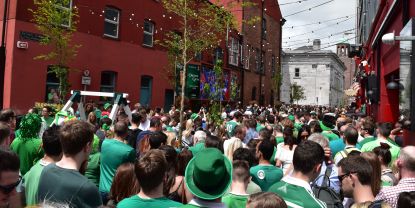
[314, 66]
[218, 54]
[112, 21]
[297, 72]
[253, 97]
[146, 90]
[257, 60]
[262, 67]
[247, 52]
[52, 84]
[66, 11]
[108, 81]
[273, 65]
[148, 33]
[234, 52]
[264, 29]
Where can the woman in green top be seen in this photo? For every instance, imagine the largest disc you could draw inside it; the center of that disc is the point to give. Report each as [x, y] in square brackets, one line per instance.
[385, 157]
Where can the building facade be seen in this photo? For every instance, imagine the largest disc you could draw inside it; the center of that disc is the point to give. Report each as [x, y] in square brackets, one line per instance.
[319, 72]
[383, 65]
[118, 49]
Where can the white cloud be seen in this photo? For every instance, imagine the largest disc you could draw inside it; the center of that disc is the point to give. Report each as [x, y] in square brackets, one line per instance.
[332, 10]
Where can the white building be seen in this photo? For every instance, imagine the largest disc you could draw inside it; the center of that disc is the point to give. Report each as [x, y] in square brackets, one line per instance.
[319, 72]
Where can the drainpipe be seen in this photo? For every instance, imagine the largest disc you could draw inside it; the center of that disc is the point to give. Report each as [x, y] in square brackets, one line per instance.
[3, 53]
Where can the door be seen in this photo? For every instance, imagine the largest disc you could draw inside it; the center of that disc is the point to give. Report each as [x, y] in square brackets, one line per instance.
[168, 99]
[145, 90]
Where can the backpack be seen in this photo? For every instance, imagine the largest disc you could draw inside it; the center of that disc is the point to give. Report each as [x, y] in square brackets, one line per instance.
[325, 193]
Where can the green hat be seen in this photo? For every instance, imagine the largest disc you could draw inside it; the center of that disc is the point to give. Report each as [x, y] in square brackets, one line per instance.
[209, 174]
[291, 117]
[107, 105]
[194, 116]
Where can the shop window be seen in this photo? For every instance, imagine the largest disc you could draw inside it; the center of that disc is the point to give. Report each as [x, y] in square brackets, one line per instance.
[111, 22]
[52, 85]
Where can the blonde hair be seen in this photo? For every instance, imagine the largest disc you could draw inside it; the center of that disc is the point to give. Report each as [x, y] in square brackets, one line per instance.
[189, 128]
[368, 203]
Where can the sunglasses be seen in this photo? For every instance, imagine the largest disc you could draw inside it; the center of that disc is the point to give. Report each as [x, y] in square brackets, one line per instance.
[9, 188]
[342, 177]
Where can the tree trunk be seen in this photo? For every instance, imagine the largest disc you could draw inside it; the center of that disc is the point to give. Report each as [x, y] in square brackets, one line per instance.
[183, 80]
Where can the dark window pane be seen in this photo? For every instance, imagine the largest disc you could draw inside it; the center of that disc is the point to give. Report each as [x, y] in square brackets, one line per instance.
[111, 14]
[110, 29]
[148, 40]
[148, 26]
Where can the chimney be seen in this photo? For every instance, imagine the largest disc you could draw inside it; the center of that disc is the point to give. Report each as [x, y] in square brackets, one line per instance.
[316, 44]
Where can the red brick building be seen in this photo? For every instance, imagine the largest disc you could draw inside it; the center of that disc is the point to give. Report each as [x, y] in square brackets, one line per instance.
[118, 50]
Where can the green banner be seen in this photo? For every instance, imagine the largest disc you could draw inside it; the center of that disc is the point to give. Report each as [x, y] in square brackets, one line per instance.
[192, 81]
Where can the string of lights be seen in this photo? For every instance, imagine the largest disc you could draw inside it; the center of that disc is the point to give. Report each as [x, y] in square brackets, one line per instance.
[293, 2]
[322, 28]
[316, 23]
[328, 46]
[304, 41]
[309, 9]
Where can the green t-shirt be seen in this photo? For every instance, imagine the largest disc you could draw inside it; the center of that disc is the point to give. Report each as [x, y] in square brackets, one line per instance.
[230, 126]
[366, 140]
[92, 171]
[113, 154]
[62, 185]
[136, 201]
[265, 175]
[395, 150]
[259, 127]
[31, 183]
[279, 139]
[29, 151]
[235, 201]
[197, 148]
[296, 196]
[48, 120]
[330, 135]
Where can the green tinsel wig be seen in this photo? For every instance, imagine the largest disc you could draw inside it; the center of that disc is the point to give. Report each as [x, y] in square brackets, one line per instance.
[30, 126]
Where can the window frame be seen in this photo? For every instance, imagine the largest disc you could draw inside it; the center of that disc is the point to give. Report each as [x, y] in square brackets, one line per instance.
[296, 72]
[70, 13]
[148, 33]
[112, 22]
[234, 52]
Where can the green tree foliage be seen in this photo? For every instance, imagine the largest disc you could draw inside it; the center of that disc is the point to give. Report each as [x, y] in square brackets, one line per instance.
[201, 27]
[56, 20]
[297, 93]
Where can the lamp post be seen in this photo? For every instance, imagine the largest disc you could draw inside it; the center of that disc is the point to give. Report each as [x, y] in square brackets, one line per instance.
[390, 38]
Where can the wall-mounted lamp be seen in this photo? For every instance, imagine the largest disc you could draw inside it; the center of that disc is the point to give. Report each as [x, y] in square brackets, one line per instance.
[390, 38]
[393, 85]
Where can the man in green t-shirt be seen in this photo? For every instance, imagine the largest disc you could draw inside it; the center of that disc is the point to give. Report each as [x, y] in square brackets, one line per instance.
[237, 197]
[366, 131]
[265, 174]
[383, 132]
[63, 181]
[51, 145]
[150, 171]
[295, 189]
[230, 125]
[92, 171]
[28, 144]
[114, 152]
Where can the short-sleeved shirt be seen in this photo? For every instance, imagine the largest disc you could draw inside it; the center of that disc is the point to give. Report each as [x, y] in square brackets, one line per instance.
[29, 151]
[31, 182]
[343, 154]
[113, 154]
[234, 200]
[265, 175]
[296, 193]
[230, 126]
[279, 139]
[366, 140]
[391, 194]
[136, 201]
[395, 150]
[62, 185]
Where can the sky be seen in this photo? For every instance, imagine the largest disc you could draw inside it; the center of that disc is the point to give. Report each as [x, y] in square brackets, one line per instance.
[337, 22]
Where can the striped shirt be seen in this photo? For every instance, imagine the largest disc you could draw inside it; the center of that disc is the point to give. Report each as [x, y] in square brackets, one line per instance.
[296, 193]
[391, 194]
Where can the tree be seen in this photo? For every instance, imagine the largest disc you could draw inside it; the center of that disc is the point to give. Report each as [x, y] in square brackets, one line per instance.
[297, 93]
[201, 27]
[56, 20]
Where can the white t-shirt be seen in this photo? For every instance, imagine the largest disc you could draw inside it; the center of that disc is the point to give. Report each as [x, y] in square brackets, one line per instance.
[285, 156]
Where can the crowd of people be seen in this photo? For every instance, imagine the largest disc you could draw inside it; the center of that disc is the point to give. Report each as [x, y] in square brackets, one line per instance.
[255, 157]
